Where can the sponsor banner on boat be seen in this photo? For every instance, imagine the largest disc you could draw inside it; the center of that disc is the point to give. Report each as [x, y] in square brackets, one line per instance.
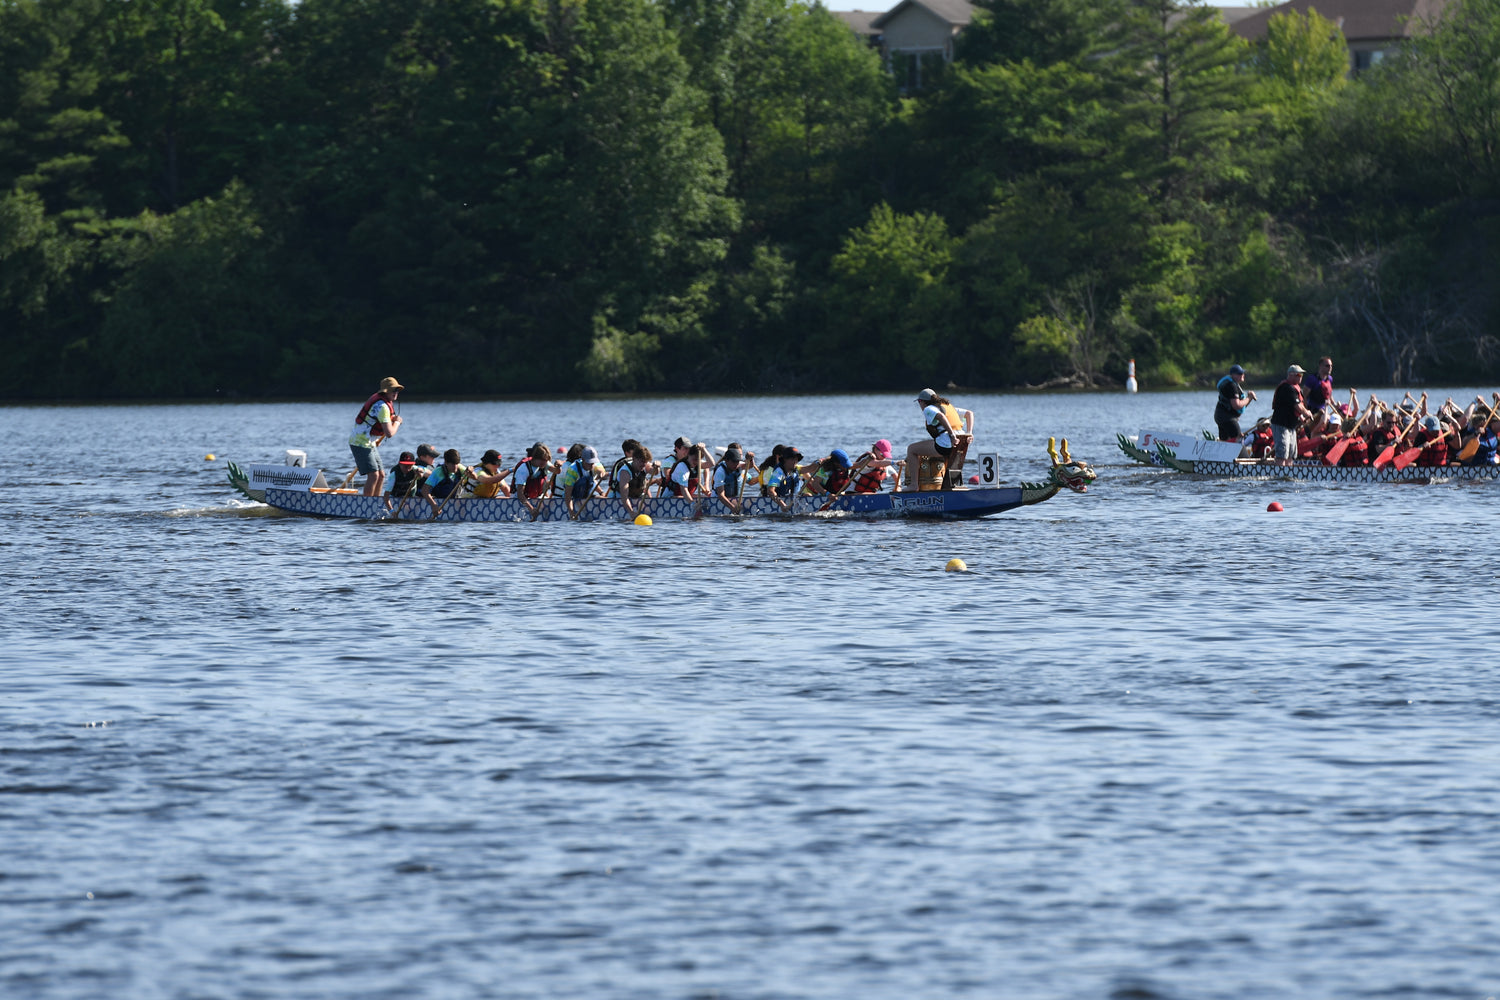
[284, 477]
[1180, 442]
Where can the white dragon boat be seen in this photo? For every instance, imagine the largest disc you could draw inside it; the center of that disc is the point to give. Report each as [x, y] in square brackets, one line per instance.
[1203, 455]
[298, 490]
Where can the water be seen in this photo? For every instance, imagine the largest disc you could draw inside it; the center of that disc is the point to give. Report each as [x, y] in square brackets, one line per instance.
[1158, 743]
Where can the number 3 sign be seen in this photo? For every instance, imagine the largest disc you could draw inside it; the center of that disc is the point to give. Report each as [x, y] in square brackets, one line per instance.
[989, 468]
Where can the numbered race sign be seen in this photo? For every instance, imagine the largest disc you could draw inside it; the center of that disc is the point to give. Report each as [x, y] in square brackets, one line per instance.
[989, 468]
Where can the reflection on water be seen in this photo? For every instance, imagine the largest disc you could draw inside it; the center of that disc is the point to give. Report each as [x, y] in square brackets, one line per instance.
[1158, 742]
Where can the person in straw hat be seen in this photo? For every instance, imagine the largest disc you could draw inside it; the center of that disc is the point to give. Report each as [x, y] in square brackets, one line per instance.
[376, 422]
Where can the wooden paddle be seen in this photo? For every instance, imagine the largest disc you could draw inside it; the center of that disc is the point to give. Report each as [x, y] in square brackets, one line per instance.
[457, 489]
[1469, 450]
[1389, 453]
[1339, 447]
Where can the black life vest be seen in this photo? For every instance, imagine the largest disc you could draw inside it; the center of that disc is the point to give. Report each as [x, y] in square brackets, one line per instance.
[407, 480]
[674, 487]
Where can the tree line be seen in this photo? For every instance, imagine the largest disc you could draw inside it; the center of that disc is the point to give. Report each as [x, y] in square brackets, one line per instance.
[268, 198]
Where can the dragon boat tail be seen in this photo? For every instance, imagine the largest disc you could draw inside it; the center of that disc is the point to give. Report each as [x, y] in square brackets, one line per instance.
[305, 491]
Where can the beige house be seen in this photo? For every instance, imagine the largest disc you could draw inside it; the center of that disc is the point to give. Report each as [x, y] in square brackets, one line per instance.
[1371, 27]
[915, 37]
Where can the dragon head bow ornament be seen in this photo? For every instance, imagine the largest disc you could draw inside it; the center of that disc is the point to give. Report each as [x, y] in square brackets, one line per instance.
[1067, 471]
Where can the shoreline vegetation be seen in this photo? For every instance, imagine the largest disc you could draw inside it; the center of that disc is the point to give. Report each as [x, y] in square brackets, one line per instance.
[264, 199]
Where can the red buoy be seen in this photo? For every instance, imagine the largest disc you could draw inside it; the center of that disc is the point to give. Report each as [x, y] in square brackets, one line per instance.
[1273, 506]
[974, 480]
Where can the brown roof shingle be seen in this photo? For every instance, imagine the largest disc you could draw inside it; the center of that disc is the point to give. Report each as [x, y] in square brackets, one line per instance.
[1361, 20]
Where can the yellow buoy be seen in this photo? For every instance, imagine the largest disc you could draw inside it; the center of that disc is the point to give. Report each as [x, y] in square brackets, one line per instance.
[208, 458]
[643, 519]
[956, 565]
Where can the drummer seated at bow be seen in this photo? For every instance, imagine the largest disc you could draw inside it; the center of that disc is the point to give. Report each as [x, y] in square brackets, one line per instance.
[731, 477]
[530, 477]
[951, 431]
[447, 480]
[830, 476]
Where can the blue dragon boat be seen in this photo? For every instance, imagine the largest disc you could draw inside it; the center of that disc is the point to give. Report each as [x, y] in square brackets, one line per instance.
[304, 491]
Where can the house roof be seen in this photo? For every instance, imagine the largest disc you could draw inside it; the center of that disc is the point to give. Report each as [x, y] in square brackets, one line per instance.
[955, 12]
[859, 20]
[1234, 15]
[1360, 20]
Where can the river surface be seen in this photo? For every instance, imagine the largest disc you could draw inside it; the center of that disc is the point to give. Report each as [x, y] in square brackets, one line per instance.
[1157, 742]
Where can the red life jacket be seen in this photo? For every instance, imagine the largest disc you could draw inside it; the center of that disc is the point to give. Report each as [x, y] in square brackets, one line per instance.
[872, 480]
[535, 482]
[837, 480]
[1434, 452]
[1358, 453]
[364, 412]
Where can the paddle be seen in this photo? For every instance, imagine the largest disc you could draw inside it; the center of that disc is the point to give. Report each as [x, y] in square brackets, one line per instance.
[1339, 447]
[1469, 450]
[1389, 453]
[457, 488]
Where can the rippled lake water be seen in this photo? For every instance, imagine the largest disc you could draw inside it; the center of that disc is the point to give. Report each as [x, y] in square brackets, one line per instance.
[1157, 743]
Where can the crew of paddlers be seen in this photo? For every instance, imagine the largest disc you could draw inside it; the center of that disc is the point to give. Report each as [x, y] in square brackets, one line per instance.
[1307, 425]
[694, 470]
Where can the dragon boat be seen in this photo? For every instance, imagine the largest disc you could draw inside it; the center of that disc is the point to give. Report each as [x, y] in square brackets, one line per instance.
[305, 491]
[1204, 455]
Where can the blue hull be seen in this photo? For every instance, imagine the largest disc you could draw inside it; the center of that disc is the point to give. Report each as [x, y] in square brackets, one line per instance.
[949, 505]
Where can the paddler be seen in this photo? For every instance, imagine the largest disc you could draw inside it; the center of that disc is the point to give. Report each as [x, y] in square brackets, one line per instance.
[1233, 398]
[529, 478]
[677, 481]
[1489, 443]
[831, 475]
[631, 480]
[730, 478]
[447, 480]
[871, 468]
[406, 479]
[488, 480]
[579, 477]
[377, 421]
[1432, 438]
[951, 431]
[785, 481]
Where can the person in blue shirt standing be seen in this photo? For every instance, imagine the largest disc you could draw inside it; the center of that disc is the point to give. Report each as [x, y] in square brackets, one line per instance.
[1233, 398]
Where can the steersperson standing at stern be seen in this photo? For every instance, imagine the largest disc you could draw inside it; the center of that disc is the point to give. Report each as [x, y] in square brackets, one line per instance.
[1233, 398]
[377, 421]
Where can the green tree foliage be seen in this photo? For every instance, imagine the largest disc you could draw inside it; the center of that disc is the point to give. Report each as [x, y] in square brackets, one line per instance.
[205, 196]
[890, 301]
